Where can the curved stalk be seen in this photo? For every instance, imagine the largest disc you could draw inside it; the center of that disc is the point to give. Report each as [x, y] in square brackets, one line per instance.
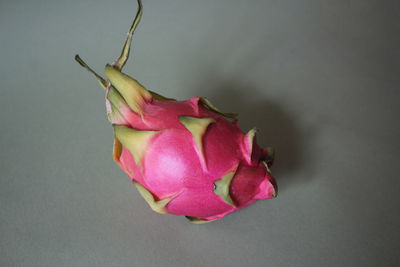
[120, 62]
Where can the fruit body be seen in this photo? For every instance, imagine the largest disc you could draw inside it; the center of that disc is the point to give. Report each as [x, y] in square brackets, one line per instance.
[185, 157]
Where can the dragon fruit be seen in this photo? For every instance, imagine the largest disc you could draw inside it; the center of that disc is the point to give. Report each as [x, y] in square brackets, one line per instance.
[184, 157]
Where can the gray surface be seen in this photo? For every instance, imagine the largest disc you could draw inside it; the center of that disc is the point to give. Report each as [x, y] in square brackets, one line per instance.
[319, 78]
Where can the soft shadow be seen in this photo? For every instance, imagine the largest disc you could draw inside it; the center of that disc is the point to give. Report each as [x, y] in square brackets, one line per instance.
[276, 128]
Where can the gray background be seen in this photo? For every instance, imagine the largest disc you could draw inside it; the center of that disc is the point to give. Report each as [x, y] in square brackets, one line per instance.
[320, 79]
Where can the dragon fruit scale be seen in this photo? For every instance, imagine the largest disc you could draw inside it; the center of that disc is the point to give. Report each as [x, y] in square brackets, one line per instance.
[184, 157]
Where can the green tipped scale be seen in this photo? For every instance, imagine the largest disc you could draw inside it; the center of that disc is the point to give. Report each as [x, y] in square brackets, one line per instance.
[222, 188]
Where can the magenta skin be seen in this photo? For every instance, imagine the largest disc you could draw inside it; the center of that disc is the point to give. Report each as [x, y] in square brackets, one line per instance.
[172, 166]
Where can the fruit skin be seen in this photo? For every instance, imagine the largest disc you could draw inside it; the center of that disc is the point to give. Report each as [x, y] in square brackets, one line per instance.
[185, 157]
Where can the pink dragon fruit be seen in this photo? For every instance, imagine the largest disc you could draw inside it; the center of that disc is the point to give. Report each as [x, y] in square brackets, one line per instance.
[185, 157]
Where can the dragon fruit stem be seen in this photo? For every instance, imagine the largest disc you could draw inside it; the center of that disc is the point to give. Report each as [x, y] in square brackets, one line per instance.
[101, 80]
[120, 62]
